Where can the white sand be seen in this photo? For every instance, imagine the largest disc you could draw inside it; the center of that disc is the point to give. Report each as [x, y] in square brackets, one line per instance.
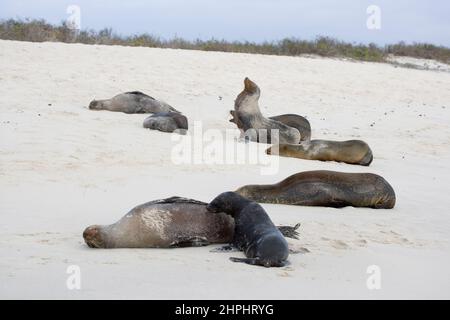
[64, 167]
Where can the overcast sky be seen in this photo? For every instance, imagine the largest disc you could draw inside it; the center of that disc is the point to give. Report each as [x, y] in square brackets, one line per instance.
[253, 20]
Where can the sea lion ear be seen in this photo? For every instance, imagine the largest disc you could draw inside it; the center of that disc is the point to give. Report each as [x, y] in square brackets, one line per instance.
[250, 86]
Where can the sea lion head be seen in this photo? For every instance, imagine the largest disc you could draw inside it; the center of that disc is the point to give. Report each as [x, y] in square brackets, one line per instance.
[278, 149]
[250, 87]
[271, 250]
[96, 105]
[95, 237]
[247, 100]
[227, 202]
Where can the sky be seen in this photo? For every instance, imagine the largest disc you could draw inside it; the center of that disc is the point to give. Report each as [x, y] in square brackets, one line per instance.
[253, 20]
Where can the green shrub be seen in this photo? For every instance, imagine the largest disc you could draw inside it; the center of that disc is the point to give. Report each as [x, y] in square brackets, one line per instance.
[40, 30]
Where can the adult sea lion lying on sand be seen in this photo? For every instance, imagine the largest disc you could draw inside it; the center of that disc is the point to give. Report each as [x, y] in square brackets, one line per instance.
[167, 223]
[253, 123]
[132, 102]
[167, 122]
[351, 151]
[326, 189]
[254, 232]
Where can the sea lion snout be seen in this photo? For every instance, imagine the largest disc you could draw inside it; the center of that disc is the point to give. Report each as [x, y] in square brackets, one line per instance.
[250, 86]
[275, 149]
[225, 202]
[211, 207]
[92, 236]
[272, 250]
[94, 104]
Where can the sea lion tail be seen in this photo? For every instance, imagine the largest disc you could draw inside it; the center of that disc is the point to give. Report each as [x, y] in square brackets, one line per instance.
[290, 232]
[368, 158]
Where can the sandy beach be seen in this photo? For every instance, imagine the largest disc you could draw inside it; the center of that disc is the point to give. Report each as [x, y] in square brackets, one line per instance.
[64, 167]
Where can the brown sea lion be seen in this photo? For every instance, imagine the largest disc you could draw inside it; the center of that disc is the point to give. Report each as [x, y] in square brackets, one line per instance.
[254, 232]
[292, 120]
[326, 189]
[132, 102]
[167, 223]
[255, 126]
[351, 151]
[167, 122]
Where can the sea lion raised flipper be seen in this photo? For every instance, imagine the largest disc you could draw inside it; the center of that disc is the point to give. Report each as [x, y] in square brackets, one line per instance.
[184, 242]
[290, 232]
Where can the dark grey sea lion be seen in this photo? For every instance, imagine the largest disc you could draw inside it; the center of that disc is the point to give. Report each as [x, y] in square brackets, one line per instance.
[254, 232]
[295, 121]
[132, 102]
[351, 151]
[167, 223]
[255, 126]
[326, 189]
[292, 120]
[167, 122]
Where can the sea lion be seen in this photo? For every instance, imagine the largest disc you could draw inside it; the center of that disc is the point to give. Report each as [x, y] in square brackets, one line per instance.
[254, 124]
[292, 120]
[167, 122]
[167, 223]
[351, 151]
[132, 102]
[254, 232]
[326, 189]
[295, 121]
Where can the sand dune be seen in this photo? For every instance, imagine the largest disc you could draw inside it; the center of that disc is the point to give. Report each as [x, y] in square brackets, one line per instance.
[64, 167]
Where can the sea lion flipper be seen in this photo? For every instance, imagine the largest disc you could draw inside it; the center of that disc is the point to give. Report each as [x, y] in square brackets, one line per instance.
[183, 242]
[259, 262]
[300, 250]
[290, 232]
[227, 248]
[252, 261]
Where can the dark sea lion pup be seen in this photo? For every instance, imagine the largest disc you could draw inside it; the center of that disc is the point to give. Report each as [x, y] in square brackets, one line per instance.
[167, 223]
[254, 232]
[351, 151]
[132, 102]
[326, 189]
[253, 123]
